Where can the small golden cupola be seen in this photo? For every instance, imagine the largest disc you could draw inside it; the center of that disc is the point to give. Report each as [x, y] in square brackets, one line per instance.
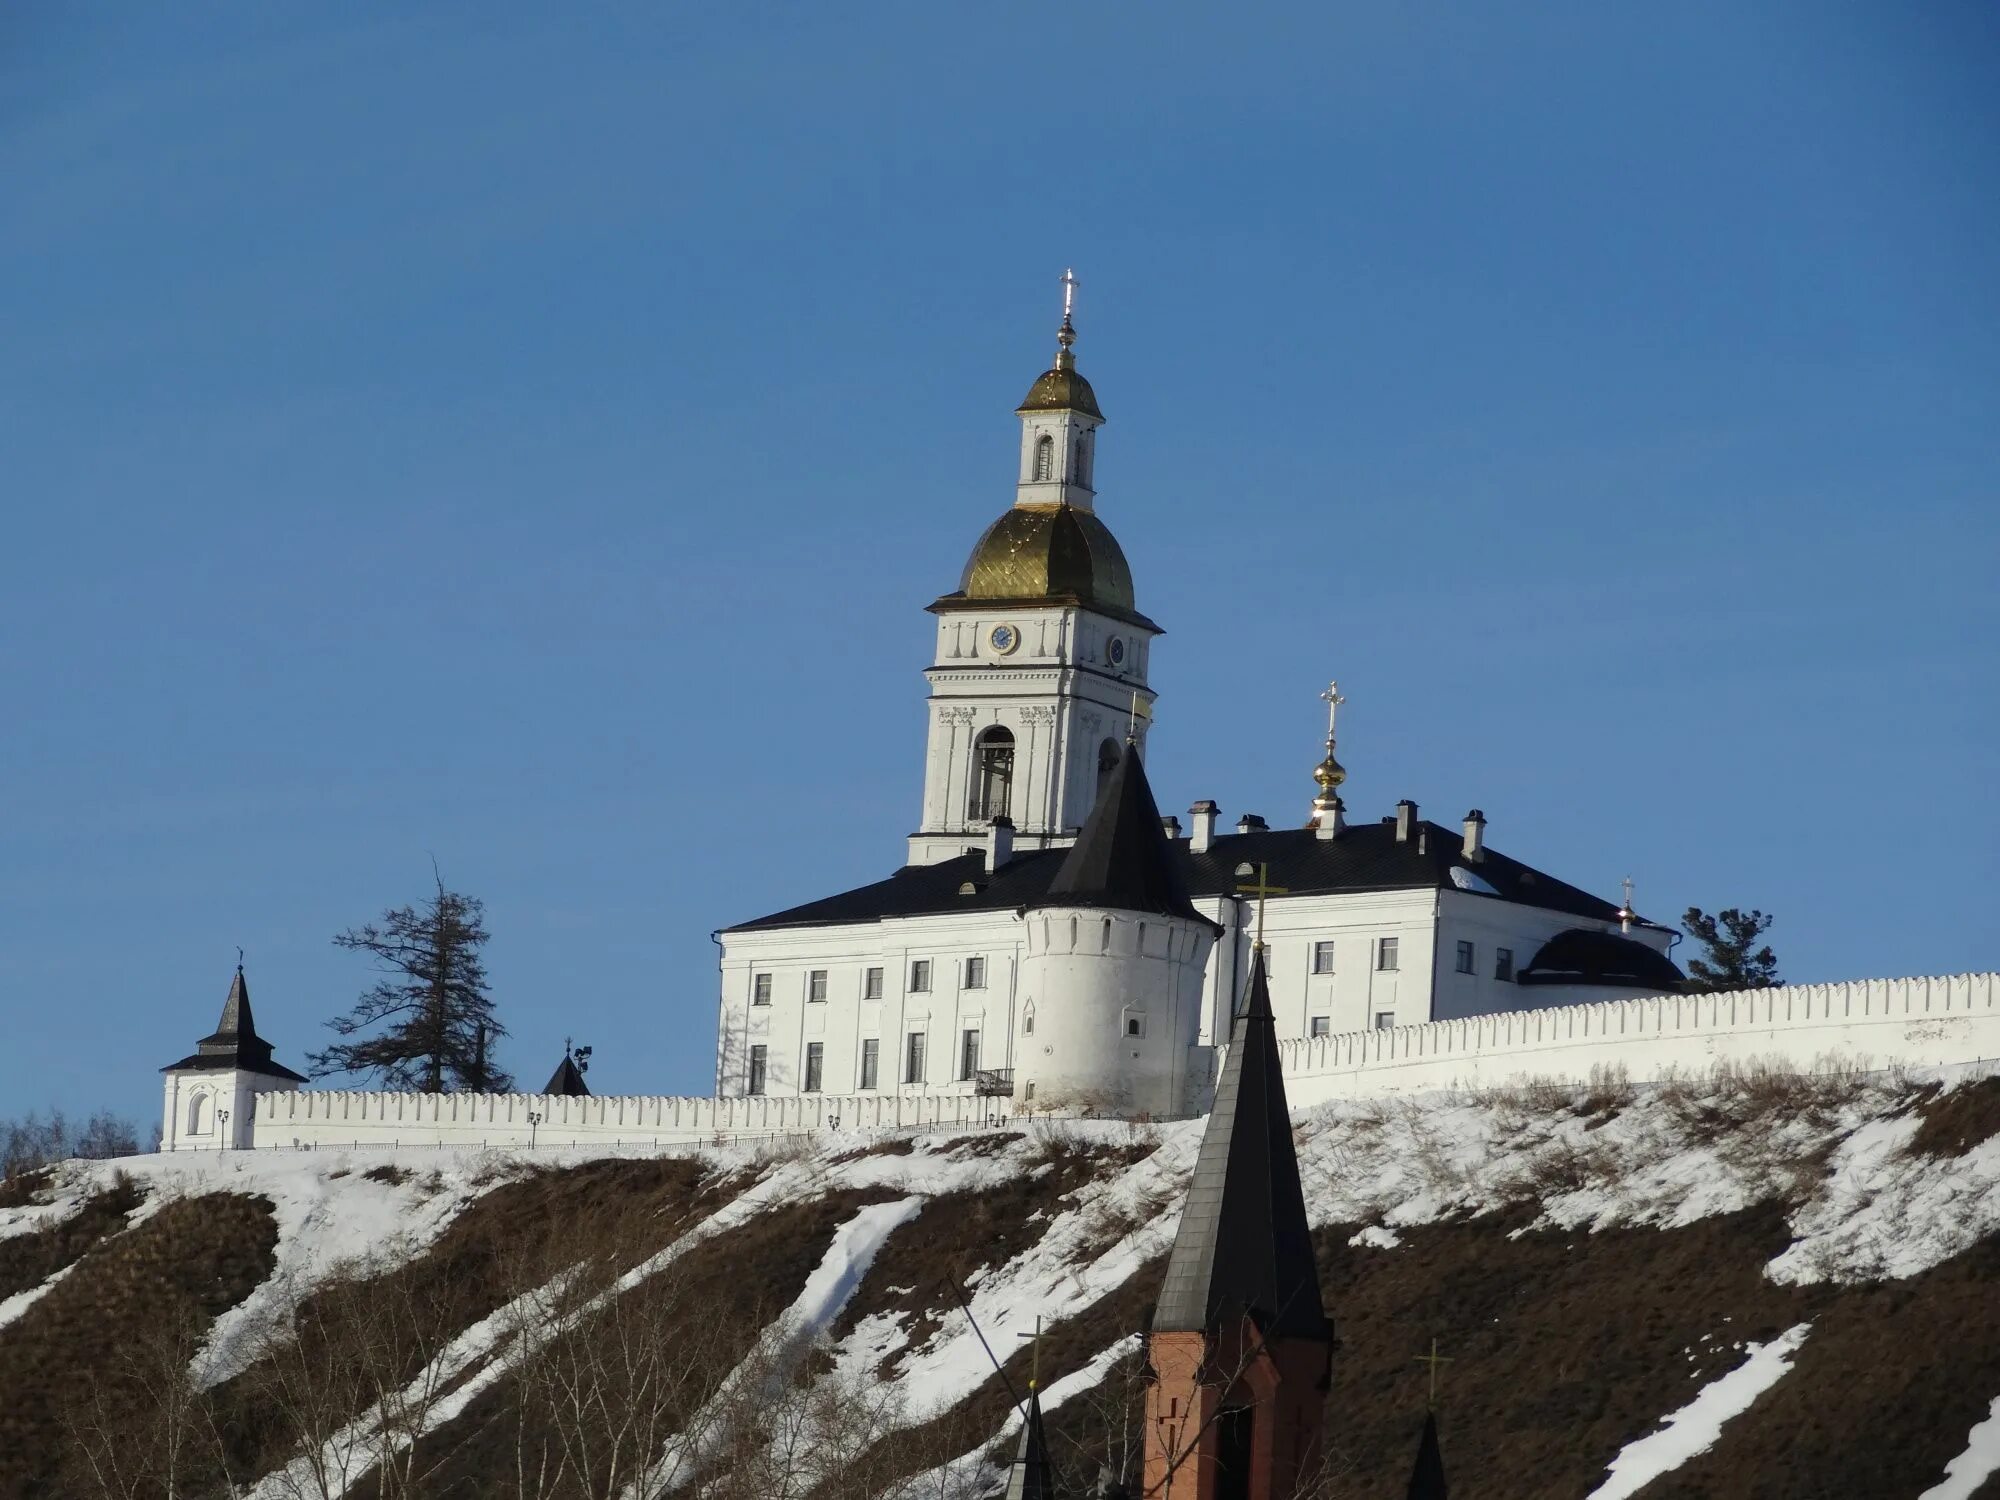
[1329, 813]
[1050, 545]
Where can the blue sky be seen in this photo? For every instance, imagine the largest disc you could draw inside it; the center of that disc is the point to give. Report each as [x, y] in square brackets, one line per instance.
[528, 436]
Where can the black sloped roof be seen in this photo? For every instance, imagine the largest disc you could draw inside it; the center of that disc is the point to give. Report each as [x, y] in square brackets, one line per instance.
[234, 1043]
[1123, 860]
[1364, 858]
[1244, 1246]
[567, 1080]
[1584, 955]
[1031, 1476]
[1427, 1476]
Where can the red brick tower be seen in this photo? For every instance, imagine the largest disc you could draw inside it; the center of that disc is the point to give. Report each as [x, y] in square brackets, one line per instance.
[1241, 1348]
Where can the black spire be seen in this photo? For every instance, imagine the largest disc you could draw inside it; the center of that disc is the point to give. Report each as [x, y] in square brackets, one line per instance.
[568, 1080]
[234, 1043]
[1121, 860]
[236, 1018]
[1427, 1479]
[1031, 1476]
[1244, 1245]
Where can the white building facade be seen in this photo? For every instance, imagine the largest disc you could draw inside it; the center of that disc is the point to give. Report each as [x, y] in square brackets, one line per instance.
[928, 980]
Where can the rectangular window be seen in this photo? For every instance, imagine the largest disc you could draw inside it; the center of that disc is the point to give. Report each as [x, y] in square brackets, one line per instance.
[760, 989]
[1322, 1026]
[871, 1062]
[1503, 964]
[913, 1058]
[1323, 958]
[871, 984]
[1385, 953]
[816, 987]
[815, 1065]
[920, 977]
[968, 1055]
[975, 973]
[759, 1054]
[1464, 957]
[1384, 1020]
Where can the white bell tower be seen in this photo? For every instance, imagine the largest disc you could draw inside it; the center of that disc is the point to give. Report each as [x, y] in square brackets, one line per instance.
[1040, 668]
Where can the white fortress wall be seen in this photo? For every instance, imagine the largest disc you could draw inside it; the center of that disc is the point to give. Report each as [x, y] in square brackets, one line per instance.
[329, 1118]
[1879, 1023]
[1927, 1022]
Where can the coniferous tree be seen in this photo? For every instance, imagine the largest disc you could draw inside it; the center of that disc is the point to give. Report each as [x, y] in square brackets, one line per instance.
[1730, 960]
[431, 1003]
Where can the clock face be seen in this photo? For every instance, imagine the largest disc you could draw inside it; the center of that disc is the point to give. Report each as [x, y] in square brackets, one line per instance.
[1004, 638]
[1116, 651]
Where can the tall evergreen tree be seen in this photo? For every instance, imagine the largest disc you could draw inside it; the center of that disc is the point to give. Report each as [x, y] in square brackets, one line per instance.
[436, 1017]
[1728, 961]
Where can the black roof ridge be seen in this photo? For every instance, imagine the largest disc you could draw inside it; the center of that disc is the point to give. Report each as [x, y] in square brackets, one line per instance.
[1366, 857]
[1122, 859]
[1244, 1245]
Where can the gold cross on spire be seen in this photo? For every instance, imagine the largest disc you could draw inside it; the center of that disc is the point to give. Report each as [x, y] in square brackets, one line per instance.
[1260, 890]
[1069, 286]
[1035, 1355]
[1434, 1359]
[1332, 699]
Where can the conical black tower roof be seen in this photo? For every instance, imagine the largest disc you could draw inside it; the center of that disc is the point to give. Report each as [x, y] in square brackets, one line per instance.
[1121, 860]
[1244, 1245]
[234, 1043]
[1427, 1479]
[568, 1080]
[1031, 1476]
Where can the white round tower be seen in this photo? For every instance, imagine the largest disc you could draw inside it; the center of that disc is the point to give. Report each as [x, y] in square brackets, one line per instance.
[1112, 982]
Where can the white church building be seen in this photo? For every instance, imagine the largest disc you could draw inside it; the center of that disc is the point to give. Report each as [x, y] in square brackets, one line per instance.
[945, 976]
[1053, 943]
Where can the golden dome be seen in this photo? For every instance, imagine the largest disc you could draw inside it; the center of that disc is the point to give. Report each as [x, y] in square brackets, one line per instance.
[1329, 773]
[1061, 389]
[1049, 552]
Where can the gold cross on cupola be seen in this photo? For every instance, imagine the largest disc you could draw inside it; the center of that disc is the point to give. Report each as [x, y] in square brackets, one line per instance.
[1332, 699]
[1260, 888]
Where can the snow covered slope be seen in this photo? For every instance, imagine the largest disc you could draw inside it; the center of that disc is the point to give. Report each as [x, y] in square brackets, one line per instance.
[1745, 1286]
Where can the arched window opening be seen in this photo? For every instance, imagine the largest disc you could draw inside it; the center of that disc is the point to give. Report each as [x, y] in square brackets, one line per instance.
[1045, 457]
[1080, 471]
[198, 1115]
[1028, 1020]
[1072, 934]
[993, 775]
[1104, 943]
[1107, 762]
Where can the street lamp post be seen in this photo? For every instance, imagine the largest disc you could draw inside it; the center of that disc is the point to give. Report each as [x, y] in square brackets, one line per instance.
[534, 1119]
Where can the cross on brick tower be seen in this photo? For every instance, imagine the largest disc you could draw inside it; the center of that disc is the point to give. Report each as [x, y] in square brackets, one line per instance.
[1260, 889]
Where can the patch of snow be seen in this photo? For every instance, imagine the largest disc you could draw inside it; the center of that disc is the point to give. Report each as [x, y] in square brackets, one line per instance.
[1886, 1214]
[1376, 1237]
[827, 1290]
[1695, 1427]
[1465, 880]
[12, 1307]
[1978, 1463]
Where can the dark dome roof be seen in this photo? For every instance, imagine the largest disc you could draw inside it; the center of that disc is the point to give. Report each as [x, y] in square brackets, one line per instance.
[1061, 390]
[1049, 552]
[1584, 956]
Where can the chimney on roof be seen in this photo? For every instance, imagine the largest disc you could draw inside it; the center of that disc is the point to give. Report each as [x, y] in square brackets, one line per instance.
[1475, 835]
[1251, 823]
[1406, 820]
[1170, 826]
[999, 842]
[1204, 814]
